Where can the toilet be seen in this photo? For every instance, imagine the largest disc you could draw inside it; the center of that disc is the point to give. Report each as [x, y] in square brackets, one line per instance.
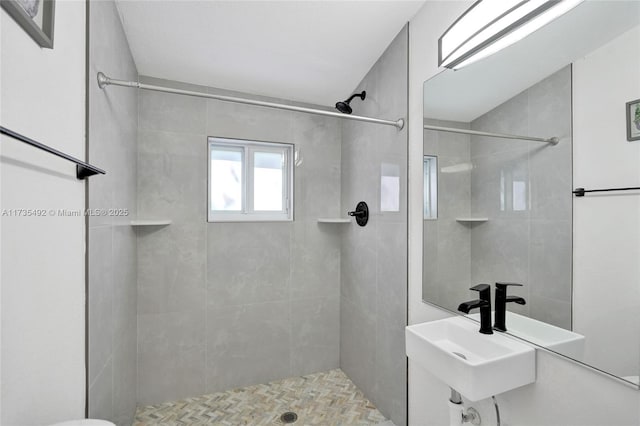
[84, 422]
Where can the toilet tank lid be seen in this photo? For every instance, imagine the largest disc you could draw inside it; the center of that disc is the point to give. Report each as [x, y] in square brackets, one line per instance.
[84, 422]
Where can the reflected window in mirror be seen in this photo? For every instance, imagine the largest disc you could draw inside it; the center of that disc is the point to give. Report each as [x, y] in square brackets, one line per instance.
[514, 190]
[430, 170]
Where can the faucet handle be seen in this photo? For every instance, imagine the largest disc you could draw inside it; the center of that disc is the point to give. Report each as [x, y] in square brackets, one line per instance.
[484, 290]
[503, 286]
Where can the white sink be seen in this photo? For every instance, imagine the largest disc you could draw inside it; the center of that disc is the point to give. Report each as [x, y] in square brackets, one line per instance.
[542, 334]
[476, 365]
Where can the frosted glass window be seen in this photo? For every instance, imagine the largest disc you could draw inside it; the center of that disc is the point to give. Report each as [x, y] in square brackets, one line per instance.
[226, 179]
[268, 173]
[430, 177]
[250, 181]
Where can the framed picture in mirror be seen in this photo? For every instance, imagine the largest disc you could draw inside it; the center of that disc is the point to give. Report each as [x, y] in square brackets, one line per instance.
[36, 17]
[633, 120]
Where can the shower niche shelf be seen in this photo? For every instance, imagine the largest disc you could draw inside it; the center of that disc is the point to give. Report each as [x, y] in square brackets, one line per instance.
[472, 219]
[333, 220]
[150, 222]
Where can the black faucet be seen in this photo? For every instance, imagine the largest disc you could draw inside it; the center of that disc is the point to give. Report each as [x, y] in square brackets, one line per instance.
[501, 304]
[484, 303]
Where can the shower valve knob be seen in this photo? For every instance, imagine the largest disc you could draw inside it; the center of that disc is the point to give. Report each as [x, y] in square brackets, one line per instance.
[361, 213]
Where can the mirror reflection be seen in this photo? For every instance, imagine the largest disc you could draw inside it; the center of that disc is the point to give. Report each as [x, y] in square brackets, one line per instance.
[430, 185]
[505, 208]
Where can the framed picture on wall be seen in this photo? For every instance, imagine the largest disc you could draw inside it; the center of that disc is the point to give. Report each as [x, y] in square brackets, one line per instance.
[35, 17]
[633, 120]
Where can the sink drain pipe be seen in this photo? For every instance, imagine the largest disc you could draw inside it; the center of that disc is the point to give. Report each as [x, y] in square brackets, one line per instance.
[456, 409]
[458, 414]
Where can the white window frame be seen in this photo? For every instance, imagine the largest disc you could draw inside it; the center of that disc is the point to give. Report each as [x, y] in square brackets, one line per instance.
[247, 213]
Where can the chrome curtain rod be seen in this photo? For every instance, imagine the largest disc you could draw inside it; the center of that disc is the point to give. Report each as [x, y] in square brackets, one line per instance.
[103, 81]
[552, 141]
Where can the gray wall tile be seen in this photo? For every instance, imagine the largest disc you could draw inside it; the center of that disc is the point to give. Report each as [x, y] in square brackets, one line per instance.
[100, 300]
[125, 379]
[173, 185]
[315, 260]
[101, 394]
[550, 259]
[247, 344]
[496, 181]
[250, 265]
[550, 166]
[374, 258]
[430, 261]
[171, 356]
[227, 119]
[358, 266]
[112, 294]
[550, 310]
[390, 392]
[172, 143]
[315, 345]
[124, 284]
[172, 113]
[172, 268]
[454, 187]
[500, 251]
[391, 274]
[358, 346]
[511, 117]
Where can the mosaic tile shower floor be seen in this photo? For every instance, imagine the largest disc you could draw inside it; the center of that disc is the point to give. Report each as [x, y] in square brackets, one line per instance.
[329, 399]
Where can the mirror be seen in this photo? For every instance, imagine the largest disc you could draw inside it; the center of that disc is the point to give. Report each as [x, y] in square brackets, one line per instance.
[505, 207]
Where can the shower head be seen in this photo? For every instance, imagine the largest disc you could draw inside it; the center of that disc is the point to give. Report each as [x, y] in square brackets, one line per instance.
[344, 106]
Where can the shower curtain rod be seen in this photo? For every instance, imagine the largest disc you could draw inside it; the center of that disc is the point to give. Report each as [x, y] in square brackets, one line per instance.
[552, 141]
[103, 81]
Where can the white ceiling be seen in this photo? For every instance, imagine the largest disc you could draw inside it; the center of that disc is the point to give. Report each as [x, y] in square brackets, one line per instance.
[308, 51]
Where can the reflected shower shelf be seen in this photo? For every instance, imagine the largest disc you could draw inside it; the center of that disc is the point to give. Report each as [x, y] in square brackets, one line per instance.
[150, 222]
[472, 219]
[333, 220]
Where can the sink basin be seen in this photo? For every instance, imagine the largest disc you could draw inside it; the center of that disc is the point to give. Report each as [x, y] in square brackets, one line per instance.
[542, 334]
[476, 365]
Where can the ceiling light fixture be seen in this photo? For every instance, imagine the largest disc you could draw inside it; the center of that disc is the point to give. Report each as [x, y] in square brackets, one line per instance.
[489, 26]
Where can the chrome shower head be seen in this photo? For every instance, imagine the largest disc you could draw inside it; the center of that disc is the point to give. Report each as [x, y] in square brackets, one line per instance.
[344, 106]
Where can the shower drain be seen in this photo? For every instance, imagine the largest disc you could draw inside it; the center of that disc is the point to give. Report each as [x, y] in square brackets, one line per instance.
[289, 417]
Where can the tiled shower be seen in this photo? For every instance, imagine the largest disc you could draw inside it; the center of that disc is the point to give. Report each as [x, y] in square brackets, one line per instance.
[193, 308]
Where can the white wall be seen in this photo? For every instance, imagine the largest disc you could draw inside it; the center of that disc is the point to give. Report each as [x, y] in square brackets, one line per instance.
[606, 291]
[564, 393]
[42, 270]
